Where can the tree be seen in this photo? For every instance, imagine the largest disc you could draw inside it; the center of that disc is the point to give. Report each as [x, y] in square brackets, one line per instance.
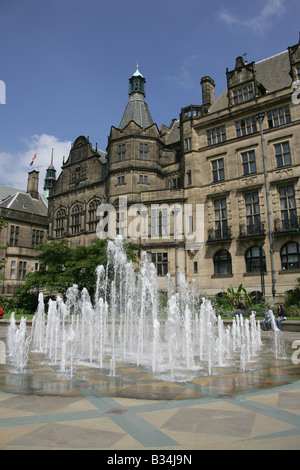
[61, 266]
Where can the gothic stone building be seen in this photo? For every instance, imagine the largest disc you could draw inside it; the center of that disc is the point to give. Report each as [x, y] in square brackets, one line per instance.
[26, 215]
[215, 195]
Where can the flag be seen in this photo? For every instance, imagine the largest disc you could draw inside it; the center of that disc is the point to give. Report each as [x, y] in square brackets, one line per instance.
[34, 157]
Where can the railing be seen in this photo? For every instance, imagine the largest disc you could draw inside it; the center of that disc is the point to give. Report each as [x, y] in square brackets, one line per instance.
[220, 234]
[253, 230]
[288, 225]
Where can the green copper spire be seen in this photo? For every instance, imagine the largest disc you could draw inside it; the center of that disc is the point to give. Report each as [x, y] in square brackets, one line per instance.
[137, 109]
[137, 82]
[50, 178]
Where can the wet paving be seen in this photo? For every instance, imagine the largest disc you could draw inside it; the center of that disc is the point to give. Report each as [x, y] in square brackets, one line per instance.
[258, 408]
[263, 372]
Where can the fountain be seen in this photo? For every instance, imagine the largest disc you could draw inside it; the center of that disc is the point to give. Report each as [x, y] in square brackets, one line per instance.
[18, 344]
[124, 324]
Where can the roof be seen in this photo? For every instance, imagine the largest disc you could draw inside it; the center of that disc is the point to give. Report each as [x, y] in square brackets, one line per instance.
[137, 110]
[6, 191]
[272, 73]
[173, 136]
[19, 200]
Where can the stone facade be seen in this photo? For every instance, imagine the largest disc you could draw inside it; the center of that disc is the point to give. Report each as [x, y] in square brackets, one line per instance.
[214, 195]
[26, 214]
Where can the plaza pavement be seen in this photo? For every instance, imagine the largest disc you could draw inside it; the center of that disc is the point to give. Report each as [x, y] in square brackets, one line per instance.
[258, 409]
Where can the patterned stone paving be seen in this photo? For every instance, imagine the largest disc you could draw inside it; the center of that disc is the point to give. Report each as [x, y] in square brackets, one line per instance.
[255, 409]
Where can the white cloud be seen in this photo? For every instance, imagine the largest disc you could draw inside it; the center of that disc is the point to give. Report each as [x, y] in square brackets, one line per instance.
[259, 22]
[14, 168]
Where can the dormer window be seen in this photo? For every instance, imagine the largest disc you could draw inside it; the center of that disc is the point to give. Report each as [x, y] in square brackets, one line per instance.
[242, 95]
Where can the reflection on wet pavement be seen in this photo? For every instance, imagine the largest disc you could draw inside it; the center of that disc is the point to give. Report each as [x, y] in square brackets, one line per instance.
[130, 381]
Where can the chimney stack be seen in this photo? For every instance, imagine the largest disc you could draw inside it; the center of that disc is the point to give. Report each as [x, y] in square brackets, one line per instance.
[208, 91]
[33, 184]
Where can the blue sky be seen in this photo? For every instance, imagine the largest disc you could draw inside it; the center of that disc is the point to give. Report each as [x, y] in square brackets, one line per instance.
[66, 64]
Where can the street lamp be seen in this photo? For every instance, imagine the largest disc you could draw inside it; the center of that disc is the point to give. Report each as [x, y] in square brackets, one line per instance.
[260, 118]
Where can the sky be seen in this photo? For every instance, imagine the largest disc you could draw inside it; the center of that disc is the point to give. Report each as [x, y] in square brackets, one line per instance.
[65, 65]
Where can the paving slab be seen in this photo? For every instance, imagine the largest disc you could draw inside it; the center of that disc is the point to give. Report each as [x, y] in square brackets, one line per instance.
[136, 411]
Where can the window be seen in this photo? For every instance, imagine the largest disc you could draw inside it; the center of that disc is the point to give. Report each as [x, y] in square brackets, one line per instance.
[222, 263]
[278, 117]
[246, 127]
[14, 236]
[37, 237]
[189, 177]
[121, 152]
[190, 224]
[59, 223]
[92, 211]
[216, 136]
[176, 183]
[75, 219]
[188, 143]
[243, 94]
[195, 267]
[121, 180]
[248, 161]
[288, 206]
[13, 270]
[218, 170]
[122, 222]
[290, 256]
[143, 151]
[252, 210]
[78, 175]
[143, 179]
[283, 155]
[160, 260]
[159, 222]
[22, 270]
[255, 260]
[221, 226]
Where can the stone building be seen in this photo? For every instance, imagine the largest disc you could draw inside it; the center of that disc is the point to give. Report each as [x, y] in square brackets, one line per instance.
[214, 195]
[248, 175]
[26, 214]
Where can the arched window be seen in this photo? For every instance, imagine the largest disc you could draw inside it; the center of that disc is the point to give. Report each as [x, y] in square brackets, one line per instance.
[222, 263]
[59, 223]
[76, 219]
[290, 256]
[255, 260]
[92, 211]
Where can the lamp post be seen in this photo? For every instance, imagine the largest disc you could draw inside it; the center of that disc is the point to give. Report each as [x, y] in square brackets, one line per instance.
[262, 270]
[260, 118]
[176, 212]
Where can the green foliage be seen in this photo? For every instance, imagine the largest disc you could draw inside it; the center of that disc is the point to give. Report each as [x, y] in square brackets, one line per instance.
[61, 266]
[238, 299]
[292, 311]
[292, 298]
[9, 305]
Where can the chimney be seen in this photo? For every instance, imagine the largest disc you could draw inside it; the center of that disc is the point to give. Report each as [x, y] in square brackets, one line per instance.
[239, 63]
[208, 91]
[33, 184]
